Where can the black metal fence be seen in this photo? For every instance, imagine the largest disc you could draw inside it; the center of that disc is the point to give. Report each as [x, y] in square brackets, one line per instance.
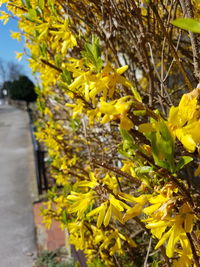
[39, 155]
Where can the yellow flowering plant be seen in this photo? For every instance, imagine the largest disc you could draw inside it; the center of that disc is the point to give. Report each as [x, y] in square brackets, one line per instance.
[121, 130]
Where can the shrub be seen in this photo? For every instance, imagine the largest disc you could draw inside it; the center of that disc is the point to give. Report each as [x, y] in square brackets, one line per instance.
[124, 142]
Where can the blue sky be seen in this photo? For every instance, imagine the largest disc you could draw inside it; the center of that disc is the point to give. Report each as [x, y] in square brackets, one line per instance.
[9, 46]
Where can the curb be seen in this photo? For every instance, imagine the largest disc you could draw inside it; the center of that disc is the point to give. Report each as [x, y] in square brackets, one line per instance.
[47, 239]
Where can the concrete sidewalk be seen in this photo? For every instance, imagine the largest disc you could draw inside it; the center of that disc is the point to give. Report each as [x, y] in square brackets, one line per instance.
[17, 238]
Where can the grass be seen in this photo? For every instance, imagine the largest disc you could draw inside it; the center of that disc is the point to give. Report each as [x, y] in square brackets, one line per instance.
[53, 259]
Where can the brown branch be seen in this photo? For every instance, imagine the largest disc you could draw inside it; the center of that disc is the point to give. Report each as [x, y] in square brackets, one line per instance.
[117, 171]
[19, 7]
[185, 193]
[140, 106]
[185, 76]
[195, 256]
[50, 65]
[76, 175]
[67, 9]
[187, 9]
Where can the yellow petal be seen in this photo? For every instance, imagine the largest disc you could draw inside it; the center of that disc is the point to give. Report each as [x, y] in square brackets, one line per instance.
[146, 127]
[197, 171]
[106, 119]
[16, 35]
[94, 211]
[173, 115]
[125, 123]
[2, 2]
[122, 69]
[176, 230]
[98, 238]
[72, 197]
[156, 224]
[158, 232]
[107, 108]
[163, 239]
[158, 199]
[149, 210]
[118, 204]
[188, 223]
[87, 183]
[131, 242]
[127, 197]
[107, 217]
[76, 83]
[4, 16]
[19, 55]
[101, 215]
[132, 212]
[117, 214]
[188, 142]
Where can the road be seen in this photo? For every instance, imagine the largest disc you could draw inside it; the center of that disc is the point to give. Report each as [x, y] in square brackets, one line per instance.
[17, 238]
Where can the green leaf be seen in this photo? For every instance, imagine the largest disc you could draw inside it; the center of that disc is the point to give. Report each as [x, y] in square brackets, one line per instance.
[155, 263]
[128, 147]
[74, 124]
[41, 4]
[65, 219]
[157, 149]
[127, 136]
[139, 112]
[187, 24]
[51, 2]
[58, 60]
[32, 14]
[162, 146]
[165, 131]
[136, 94]
[183, 161]
[143, 169]
[122, 152]
[168, 144]
[43, 48]
[28, 3]
[92, 53]
[96, 262]
[99, 64]
[66, 76]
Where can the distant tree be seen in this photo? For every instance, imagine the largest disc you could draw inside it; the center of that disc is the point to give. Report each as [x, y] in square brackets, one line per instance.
[2, 71]
[9, 72]
[13, 71]
[21, 89]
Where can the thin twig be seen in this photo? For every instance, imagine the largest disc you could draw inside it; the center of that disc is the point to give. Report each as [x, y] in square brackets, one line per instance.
[85, 135]
[187, 9]
[117, 171]
[185, 76]
[51, 65]
[195, 256]
[148, 251]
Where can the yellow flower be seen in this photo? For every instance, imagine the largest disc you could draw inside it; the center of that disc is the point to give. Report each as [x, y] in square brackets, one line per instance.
[77, 108]
[109, 208]
[3, 2]
[16, 35]
[176, 227]
[4, 16]
[184, 121]
[117, 109]
[80, 202]
[77, 232]
[197, 171]
[186, 257]
[19, 55]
